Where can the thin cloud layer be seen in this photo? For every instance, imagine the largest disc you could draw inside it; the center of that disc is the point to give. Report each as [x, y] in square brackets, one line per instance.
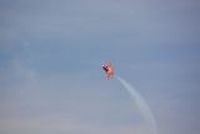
[50, 57]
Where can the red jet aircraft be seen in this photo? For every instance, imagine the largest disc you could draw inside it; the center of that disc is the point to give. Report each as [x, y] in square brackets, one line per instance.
[108, 68]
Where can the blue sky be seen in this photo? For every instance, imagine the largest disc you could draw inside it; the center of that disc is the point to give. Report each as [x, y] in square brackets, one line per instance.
[50, 65]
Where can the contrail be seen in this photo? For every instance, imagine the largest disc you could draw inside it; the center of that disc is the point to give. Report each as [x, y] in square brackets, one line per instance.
[142, 106]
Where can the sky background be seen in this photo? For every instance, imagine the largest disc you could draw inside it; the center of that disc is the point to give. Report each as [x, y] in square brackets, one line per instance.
[51, 52]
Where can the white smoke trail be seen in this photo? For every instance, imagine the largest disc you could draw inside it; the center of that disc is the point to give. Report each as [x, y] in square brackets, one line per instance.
[142, 106]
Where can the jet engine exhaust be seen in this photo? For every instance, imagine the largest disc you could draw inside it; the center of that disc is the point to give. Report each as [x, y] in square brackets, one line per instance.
[143, 107]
